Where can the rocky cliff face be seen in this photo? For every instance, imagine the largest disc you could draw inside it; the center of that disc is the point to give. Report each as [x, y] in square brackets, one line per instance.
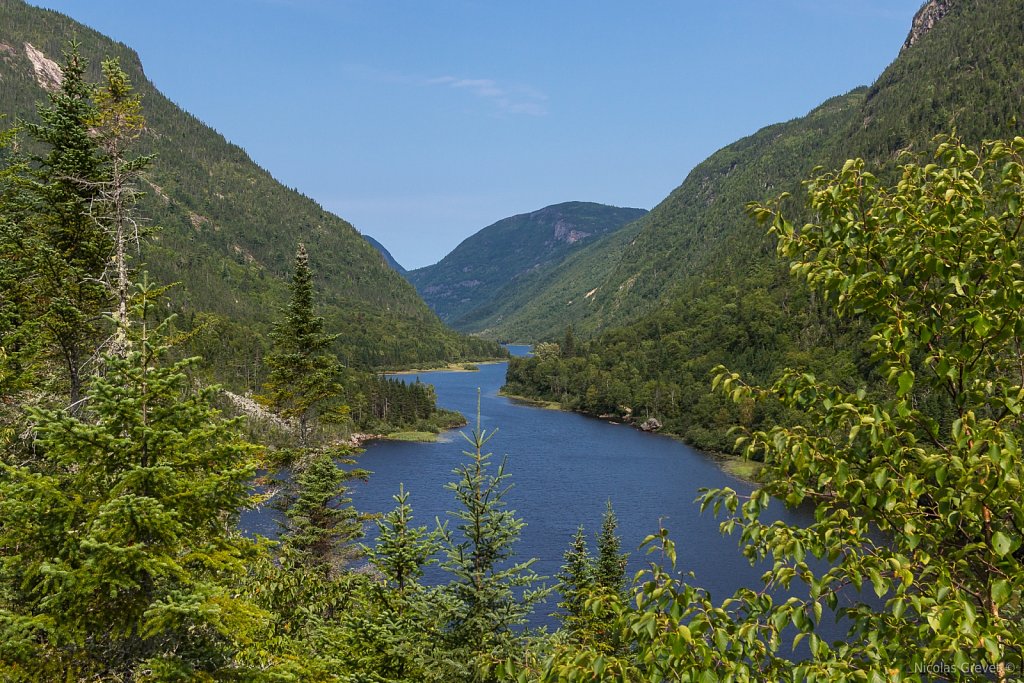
[930, 14]
[48, 73]
[565, 231]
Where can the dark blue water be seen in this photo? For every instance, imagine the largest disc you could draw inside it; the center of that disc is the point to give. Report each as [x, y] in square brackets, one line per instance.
[564, 468]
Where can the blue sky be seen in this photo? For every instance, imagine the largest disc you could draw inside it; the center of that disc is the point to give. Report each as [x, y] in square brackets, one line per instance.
[423, 121]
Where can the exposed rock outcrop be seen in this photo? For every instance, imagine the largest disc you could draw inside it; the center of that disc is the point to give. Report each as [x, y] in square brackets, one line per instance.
[48, 72]
[253, 410]
[358, 439]
[651, 424]
[925, 20]
[567, 232]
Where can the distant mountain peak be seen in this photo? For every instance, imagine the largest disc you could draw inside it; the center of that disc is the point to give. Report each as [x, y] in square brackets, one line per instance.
[488, 268]
[386, 255]
[930, 14]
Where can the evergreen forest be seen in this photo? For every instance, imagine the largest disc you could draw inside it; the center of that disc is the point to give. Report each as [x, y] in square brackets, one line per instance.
[228, 231]
[854, 325]
[697, 283]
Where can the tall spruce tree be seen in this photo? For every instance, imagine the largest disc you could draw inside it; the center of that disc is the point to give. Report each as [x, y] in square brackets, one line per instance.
[117, 125]
[490, 593]
[584, 578]
[60, 236]
[320, 525]
[402, 550]
[302, 378]
[575, 584]
[394, 632]
[610, 565]
[120, 548]
[307, 587]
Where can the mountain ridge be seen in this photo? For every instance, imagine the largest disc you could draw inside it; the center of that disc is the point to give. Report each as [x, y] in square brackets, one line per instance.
[388, 258]
[229, 230]
[680, 236]
[491, 264]
[700, 284]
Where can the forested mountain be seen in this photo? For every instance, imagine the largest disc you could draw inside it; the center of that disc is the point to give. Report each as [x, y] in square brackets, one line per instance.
[227, 229]
[388, 258]
[699, 283]
[122, 483]
[495, 271]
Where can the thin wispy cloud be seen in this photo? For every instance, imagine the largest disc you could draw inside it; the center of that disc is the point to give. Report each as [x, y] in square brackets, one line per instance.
[508, 99]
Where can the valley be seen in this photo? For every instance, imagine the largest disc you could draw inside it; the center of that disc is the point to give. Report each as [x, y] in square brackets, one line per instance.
[196, 359]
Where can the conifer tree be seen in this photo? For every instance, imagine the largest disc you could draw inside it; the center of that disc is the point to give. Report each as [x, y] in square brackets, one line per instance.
[584, 577]
[575, 583]
[303, 372]
[394, 631]
[320, 523]
[490, 593]
[569, 343]
[117, 125]
[402, 550]
[610, 566]
[19, 328]
[60, 237]
[306, 587]
[125, 537]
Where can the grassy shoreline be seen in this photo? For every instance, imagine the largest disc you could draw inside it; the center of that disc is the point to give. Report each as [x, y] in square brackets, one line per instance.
[739, 467]
[535, 402]
[462, 366]
[419, 437]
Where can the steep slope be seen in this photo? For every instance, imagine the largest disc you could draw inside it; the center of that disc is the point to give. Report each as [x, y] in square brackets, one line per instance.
[962, 72]
[702, 224]
[491, 266]
[700, 283]
[228, 230]
[388, 258]
[541, 304]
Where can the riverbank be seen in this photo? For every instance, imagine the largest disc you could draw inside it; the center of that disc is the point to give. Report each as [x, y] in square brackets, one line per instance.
[359, 439]
[739, 467]
[535, 402]
[733, 465]
[424, 431]
[421, 437]
[463, 366]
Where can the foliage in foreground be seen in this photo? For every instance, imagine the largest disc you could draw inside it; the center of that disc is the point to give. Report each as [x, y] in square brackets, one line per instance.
[120, 559]
[917, 496]
[119, 544]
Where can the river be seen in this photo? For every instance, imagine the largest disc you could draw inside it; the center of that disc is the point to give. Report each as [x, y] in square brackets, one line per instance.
[564, 467]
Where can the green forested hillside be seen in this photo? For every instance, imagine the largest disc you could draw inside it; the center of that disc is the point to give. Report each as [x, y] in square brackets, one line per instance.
[228, 230]
[388, 258]
[700, 284]
[493, 272]
[122, 483]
